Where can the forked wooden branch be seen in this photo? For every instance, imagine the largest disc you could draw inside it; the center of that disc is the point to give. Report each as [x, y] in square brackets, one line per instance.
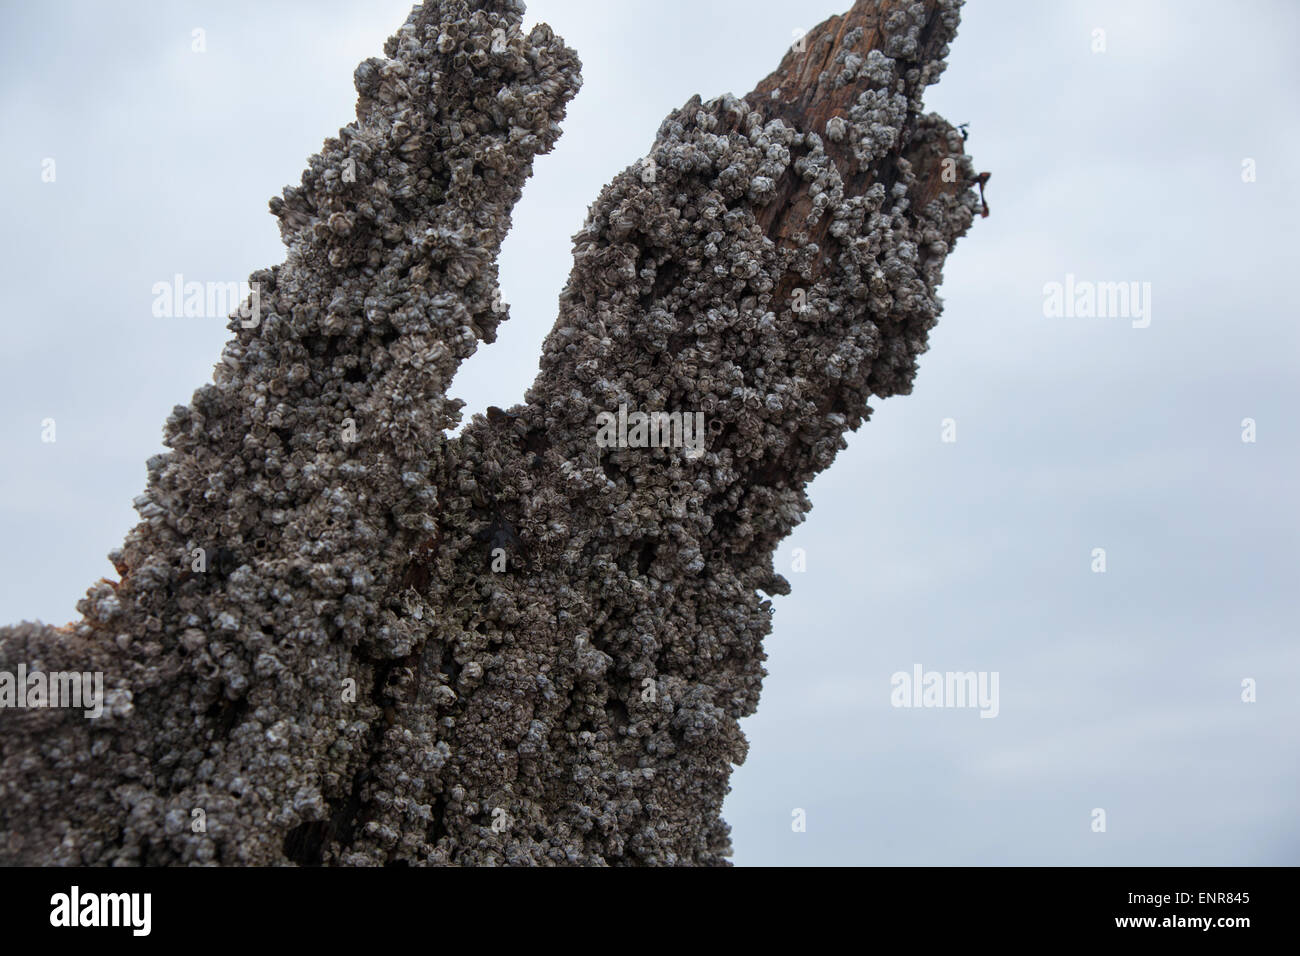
[341, 636]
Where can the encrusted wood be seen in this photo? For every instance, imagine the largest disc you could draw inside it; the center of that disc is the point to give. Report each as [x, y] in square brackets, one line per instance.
[514, 645]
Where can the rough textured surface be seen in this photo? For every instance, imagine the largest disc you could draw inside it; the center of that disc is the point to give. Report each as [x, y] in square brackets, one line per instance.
[772, 264]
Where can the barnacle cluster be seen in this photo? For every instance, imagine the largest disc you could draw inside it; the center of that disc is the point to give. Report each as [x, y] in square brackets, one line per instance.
[515, 646]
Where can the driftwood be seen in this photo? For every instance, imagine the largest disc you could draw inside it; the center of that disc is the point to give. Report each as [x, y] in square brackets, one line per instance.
[341, 636]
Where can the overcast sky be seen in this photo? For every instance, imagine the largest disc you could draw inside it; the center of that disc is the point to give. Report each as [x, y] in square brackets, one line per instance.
[1119, 691]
